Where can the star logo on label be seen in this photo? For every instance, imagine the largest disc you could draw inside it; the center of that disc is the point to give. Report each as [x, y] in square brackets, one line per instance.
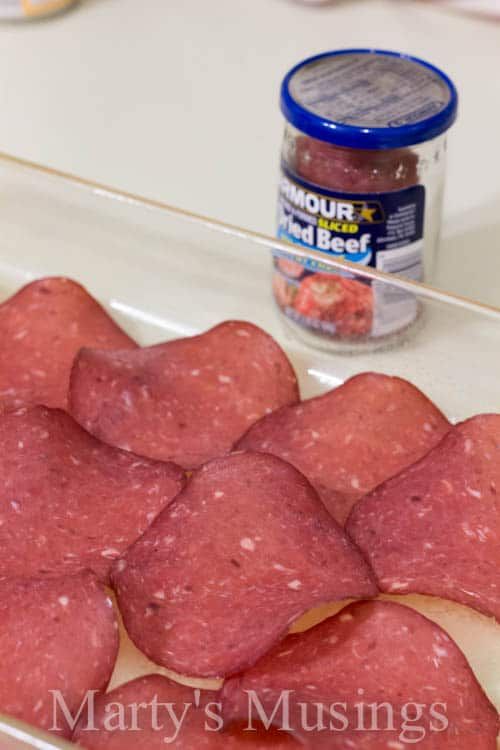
[367, 213]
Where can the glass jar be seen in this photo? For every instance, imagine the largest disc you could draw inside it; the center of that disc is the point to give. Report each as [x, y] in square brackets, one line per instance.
[363, 171]
[25, 10]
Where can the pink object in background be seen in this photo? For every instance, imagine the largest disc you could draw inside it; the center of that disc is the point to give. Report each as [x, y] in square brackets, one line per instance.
[487, 8]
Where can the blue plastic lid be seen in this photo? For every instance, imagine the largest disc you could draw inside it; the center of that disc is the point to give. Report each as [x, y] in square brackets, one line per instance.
[372, 99]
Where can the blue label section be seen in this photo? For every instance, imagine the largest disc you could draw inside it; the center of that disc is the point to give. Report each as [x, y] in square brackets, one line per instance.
[381, 230]
[357, 227]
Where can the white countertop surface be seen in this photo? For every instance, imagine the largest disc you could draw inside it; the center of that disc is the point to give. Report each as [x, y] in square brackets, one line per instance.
[177, 100]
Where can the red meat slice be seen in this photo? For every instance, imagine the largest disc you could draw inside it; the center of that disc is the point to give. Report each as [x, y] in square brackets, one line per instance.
[355, 171]
[68, 502]
[188, 723]
[346, 302]
[243, 551]
[57, 634]
[186, 400]
[370, 653]
[42, 327]
[352, 438]
[435, 528]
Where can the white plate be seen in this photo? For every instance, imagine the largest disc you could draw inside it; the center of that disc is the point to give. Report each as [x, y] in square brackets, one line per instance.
[165, 273]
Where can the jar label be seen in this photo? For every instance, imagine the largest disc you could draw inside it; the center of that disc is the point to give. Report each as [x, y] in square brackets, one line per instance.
[381, 230]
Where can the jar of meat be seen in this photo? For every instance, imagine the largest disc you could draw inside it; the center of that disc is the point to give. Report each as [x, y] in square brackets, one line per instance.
[25, 10]
[363, 168]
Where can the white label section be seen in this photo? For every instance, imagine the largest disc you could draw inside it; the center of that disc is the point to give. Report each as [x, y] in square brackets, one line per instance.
[407, 260]
[393, 307]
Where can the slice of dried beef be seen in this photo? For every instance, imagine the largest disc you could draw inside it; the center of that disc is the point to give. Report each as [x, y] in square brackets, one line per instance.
[435, 528]
[187, 400]
[241, 553]
[378, 676]
[42, 327]
[69, 502]
[154, 712]
[355, 170]
[58, 640]
[352, 438]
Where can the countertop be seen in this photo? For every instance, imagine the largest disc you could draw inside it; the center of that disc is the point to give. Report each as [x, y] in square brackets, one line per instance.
[177, 100]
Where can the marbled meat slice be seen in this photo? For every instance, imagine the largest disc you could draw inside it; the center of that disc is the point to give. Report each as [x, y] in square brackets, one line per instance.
[240, 554]
[435, 528]
[378, 676]
[69, 502]
[352, 438]
[42, 327]
[187, 400]
[159, 713]
[58, 640]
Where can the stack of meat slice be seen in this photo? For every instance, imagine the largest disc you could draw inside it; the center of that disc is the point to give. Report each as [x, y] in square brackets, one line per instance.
[191, 478]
